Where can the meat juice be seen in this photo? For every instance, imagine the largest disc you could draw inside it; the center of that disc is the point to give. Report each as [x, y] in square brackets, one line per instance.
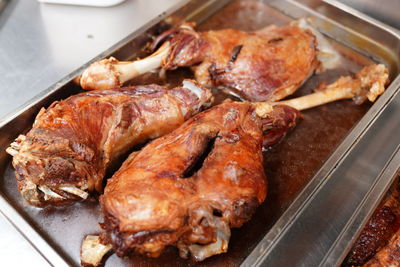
[289, 165]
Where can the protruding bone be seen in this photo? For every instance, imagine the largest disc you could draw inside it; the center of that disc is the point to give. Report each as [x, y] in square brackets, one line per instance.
[110, 73]
[205, 96]
[222, 236]
[48, 193]
[93, 251]
[75, 191]
[262, 108]
[368, 83]
[15, 146]
[10, 150]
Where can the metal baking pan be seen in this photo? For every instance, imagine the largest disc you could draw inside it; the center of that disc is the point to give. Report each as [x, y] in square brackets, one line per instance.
[332, 148]
[388, 179]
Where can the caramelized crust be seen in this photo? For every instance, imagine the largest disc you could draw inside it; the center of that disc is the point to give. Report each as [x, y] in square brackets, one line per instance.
[74, 141]
[377, 233]
[189, 187]
[269, 64]
[277, 123]
[388, 255]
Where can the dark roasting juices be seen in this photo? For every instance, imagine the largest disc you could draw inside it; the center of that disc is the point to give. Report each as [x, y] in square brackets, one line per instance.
[289, 165]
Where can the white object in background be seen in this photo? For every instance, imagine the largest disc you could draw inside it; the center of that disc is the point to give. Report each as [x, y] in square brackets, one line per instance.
[102, 3]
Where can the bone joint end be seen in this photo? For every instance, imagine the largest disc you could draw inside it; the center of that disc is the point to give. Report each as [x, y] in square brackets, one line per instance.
[101, 75]
[262, 109]
[93, 251]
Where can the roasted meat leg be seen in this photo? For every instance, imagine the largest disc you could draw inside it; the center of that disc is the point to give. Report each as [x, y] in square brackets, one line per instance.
[72, 143]
[266, 65]
[379, 235]
[188, 188]
[389, 255]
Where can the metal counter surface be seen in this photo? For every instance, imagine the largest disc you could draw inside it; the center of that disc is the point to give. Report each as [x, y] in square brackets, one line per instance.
[39, 45]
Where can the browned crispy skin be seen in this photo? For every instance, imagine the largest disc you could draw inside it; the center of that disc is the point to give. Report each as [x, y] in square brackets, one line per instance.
[278, 123]
[388, 255]
[74, 141]
[377, 233]
[269, 64]
[190, 186]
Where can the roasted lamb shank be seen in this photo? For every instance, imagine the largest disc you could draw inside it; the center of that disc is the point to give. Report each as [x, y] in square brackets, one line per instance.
[72, 143]
[266, 65]
[188, 188]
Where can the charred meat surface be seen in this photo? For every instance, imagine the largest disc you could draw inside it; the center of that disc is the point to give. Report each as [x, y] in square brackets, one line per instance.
[277, 123]
[191, 186]
[389, 255]
[378, 232]
[72, 143]
[268, 64]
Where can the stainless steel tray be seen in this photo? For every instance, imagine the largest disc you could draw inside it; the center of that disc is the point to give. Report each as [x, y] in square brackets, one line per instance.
[309, 221]
[360, 217]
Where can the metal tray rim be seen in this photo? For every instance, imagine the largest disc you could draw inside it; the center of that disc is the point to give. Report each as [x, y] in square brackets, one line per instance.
[69, 77]
[38, 242]
[47, 252]
[257, 256]
[363, 16]
[305, 197]
[355, 225]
